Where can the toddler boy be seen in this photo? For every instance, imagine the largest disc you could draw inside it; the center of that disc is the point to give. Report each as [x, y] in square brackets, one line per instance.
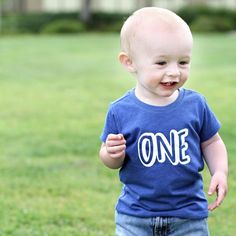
[159, 133]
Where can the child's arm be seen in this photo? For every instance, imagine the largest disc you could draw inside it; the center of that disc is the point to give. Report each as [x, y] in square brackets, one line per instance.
[112, 153]
[215, 154]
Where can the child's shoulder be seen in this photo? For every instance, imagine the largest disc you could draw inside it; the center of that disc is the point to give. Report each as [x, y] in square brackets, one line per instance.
[126, 98]
[193, 95]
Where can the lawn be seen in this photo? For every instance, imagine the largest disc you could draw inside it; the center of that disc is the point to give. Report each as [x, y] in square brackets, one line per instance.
[54, 93]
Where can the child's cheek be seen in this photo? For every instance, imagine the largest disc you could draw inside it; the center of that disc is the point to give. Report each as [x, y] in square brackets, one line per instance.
[153, 79]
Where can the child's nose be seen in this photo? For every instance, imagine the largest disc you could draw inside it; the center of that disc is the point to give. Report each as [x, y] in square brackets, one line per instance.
[173, 71]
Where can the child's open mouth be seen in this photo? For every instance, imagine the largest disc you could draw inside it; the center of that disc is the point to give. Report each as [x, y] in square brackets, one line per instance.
[169, 84]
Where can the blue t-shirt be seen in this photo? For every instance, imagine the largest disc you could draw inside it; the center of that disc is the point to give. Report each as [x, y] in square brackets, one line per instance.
[161, 172]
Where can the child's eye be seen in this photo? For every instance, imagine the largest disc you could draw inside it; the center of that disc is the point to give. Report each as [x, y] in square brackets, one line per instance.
[161, 63]
[184, 63]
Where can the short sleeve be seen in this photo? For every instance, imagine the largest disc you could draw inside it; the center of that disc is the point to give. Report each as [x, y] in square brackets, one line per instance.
[110, 126]
[210, 124]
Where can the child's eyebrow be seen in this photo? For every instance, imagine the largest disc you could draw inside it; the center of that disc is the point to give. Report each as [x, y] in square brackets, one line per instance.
[167, 56]
[186, 57]
[161, 56]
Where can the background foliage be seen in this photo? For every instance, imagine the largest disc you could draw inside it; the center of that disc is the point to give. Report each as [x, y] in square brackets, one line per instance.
[200, 18]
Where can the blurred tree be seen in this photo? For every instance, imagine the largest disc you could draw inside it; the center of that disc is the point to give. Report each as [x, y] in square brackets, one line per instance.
[1, 12]
[85, 12]
[196, 2]
[16, 5]
[144, 3]
[21, 5]
[148, 3]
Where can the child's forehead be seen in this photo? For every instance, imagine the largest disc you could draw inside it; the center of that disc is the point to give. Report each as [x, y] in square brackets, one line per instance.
[167, 45]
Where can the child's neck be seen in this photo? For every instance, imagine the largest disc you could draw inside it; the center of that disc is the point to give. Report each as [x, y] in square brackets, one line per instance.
[157, 101]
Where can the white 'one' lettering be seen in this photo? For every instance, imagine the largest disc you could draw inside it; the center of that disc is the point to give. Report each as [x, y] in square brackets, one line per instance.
[155, 147]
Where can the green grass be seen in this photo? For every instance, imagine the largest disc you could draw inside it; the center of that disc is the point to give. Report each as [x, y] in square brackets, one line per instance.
[54, 93]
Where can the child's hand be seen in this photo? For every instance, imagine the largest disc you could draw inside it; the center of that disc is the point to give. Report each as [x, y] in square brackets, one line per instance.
[115, 145]
[218, 185]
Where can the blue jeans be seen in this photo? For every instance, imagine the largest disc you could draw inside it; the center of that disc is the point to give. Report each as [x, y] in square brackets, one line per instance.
[159, 226]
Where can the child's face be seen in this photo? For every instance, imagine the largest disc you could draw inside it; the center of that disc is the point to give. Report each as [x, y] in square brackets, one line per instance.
[161, 61]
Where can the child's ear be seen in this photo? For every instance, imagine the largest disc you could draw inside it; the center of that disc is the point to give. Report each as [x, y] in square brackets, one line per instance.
[126, 61]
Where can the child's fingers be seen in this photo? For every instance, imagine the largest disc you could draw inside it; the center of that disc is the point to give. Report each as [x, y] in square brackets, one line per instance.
[115, 140]
[221, 195]
[118, 154]
[116, 149]
[212, 206]
[112, 143]
[221, 192]
[116, 145]
[212, 187]
[218, 185]
[215, 204]
[115, 137]
[120, 136]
